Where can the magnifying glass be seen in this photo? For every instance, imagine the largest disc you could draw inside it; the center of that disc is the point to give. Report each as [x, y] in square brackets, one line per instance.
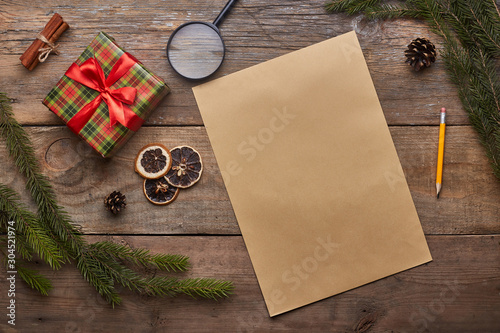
[195, 50]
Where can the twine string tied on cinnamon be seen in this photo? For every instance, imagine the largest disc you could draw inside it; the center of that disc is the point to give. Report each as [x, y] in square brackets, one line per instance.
[45, 51]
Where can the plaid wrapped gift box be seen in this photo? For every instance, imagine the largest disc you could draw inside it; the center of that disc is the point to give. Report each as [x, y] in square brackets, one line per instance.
[68, 97]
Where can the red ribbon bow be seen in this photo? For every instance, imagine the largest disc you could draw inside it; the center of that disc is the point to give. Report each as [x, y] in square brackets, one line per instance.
[90, 74]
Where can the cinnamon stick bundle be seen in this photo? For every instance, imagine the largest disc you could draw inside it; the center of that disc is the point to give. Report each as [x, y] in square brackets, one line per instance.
[52, 31]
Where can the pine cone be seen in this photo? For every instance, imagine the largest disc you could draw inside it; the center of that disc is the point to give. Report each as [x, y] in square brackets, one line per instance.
[115, 202]
[421, 53]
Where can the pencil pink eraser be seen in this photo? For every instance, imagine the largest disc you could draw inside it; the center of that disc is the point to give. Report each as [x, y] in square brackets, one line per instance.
[443, 110]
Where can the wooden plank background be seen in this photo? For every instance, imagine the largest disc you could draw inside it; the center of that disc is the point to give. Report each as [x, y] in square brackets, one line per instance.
[458, 292]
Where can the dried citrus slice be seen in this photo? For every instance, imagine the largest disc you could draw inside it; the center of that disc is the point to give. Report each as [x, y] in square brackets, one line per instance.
[186, 167]
[159, 191]
[153, 161]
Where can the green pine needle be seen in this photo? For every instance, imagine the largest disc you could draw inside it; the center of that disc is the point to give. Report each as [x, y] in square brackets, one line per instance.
[156, 285]
[116, 270]
[388, 11]
[94, 272]
[350, 6]
[28, 230]
[167, 262]
[22, 247]
[206, 288]
[21, 150]
[194, 287]
[34, 279]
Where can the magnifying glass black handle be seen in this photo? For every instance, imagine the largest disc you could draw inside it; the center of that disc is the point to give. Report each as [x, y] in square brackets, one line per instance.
[223, 12]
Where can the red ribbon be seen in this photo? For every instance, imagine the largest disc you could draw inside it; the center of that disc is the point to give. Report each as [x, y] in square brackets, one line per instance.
[90, 74]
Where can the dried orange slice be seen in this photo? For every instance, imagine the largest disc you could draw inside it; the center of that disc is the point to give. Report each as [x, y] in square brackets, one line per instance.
[186, 167]
[153, 161]
[159, 191]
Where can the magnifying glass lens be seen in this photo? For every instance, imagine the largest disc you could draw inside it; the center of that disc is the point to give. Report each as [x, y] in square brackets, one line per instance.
[196, 50]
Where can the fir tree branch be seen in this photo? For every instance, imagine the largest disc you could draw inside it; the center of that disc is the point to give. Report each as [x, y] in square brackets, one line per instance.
[485, 28]
[490, 79]
[21, 150]
[350, 6]
[34, 279]
[458, 23]
[433, 15]
[23, 247]
[94, 272]
[206, 288]
[167, 262]
[161, 285]
[372, 9]
[460, 66]
[117, 271]
[476, 25]
[131, 279]
[385, 11]
[361, 5]
[494, 6]
[194, 287]
[27, 224]
[338, 5]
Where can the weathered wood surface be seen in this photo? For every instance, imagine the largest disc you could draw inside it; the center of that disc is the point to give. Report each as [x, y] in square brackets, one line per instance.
[468, 204]
[457, 292]
[253, 32]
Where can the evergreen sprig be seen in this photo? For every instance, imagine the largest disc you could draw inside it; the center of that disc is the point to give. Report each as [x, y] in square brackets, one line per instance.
[158, 285]
[351, 6]
[167, 262]
[207, 288]
[31, 237]
[52, 236]
[471, 33]
[389, 11]
[51, 216]
[34, 279]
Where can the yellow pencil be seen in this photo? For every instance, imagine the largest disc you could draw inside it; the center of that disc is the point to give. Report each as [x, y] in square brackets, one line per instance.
[439, 173]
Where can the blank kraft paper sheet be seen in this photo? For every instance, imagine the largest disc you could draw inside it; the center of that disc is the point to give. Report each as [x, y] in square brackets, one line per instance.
[312, 173]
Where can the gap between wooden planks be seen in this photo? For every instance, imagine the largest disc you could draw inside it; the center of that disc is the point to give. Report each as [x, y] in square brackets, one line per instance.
[469, 202]
[457, 292]
[254, 32]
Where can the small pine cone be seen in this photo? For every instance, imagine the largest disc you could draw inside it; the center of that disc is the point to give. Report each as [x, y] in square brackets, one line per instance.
[421, 53]
[115, 202]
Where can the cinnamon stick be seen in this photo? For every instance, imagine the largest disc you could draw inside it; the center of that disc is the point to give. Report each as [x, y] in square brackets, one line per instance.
[30, 56]
[55, 36]
[32, 52]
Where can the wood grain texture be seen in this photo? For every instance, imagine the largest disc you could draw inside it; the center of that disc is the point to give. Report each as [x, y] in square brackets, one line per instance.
[469, 202]
[253, 32]
[457, 292]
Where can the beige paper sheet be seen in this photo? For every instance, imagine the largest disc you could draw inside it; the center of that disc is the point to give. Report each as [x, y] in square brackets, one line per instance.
[312, 173]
